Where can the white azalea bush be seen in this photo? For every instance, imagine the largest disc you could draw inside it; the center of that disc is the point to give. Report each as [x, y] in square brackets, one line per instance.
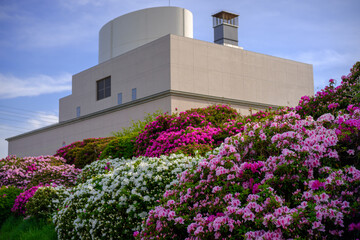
[112, 204]
[99, 167]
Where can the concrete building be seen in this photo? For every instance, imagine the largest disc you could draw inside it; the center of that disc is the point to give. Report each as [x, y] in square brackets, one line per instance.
[146, 64]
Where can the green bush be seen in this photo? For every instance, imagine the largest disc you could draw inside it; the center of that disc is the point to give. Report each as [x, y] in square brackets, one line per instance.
[136, 126]
[46, 201]
[91, 151]
[120, 147]
[193, 149]
[8, 195]
[85, 152]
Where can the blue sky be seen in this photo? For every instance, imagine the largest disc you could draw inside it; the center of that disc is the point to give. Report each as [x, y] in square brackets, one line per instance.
[43, 43]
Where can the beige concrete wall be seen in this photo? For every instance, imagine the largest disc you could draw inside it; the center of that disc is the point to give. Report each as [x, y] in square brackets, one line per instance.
[180, 104]
[222, 71]
[192, 73]
[48, 140]
[146, 68]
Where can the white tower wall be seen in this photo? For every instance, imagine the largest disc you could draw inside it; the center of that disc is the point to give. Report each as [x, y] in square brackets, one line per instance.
[137, 28]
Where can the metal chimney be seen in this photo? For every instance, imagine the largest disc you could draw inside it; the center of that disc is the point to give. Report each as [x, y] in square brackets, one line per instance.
[226, 28]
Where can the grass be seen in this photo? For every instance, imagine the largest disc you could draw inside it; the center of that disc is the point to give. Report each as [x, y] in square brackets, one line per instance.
[16, 228]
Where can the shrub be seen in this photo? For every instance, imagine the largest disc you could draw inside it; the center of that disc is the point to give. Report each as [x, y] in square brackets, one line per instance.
[67, 152]
[83, 152]
[112, 205]
[120, 147]
[136, 126]
[46, 201]
[20, 202]
[31, 171]
[8, 195]
[196, 126]
[279, 178]
[98, 168]
[333, 99]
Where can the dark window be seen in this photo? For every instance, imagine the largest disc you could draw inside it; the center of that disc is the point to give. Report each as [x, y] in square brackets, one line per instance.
[103, 88]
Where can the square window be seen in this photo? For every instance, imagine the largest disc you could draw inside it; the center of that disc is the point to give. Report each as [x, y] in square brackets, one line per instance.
[103, 88]
[133, 94]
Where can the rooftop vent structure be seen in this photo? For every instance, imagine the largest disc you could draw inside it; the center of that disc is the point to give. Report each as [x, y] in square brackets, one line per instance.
[226, 28]
[138, 28]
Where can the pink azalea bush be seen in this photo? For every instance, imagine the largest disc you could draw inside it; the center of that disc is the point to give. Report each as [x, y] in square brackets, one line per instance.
[282, 176]
[332, 98]
[27, 172]
[21, 201]
[273, 180]
[196, 129]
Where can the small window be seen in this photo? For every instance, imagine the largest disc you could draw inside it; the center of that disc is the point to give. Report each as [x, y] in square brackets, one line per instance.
[78, 112]
[119, 98]
[133, 94]
[103, 88]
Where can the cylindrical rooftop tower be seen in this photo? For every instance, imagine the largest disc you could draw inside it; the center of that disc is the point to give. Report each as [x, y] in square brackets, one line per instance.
[135, 29]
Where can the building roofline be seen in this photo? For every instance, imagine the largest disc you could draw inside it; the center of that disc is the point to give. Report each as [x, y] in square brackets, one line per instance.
[167, 93]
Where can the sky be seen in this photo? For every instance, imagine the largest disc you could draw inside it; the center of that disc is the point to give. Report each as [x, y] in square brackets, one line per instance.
[43, 43]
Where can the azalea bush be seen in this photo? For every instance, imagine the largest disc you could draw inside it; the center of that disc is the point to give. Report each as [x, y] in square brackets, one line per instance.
[21, 200]
[332, 98]
[98, 168]
[46, 201]
[84, 152]
[120, 147]
[279, 178]
[27, 172]
[112, 204]
[8, 195]
[171, 133]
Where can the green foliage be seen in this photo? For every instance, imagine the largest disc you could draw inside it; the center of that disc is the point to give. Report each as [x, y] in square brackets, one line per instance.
[46, 201]
[120, 147]
[16, 228]
[84, 152]
[193, 149]
[215, 114]
[137, 126]
[8, 195]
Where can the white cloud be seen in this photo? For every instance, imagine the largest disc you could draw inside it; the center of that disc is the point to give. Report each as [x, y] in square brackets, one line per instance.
[42, 34]
[42, 119]
[323, 58]
[72, 4]
[12, 87]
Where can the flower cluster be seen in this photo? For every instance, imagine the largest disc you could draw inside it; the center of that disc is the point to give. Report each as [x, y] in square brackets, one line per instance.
[21, 201]
[333, 99]
[170, 133]
[32, 171]
[276, 179]
[112, 204]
